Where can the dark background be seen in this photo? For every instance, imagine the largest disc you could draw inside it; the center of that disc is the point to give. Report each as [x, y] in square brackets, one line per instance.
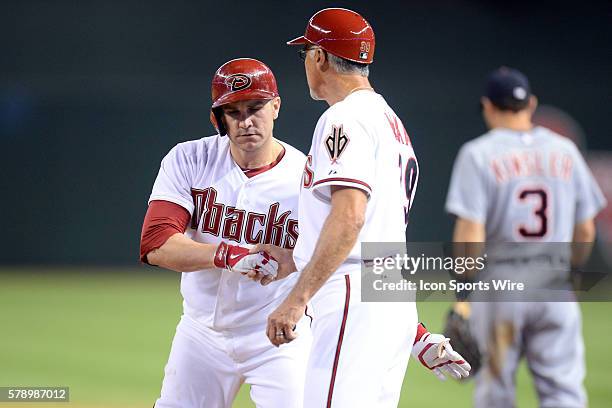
[93, 94]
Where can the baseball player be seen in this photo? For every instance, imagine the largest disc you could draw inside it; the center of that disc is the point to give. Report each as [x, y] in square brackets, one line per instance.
[358, 185]
[520, 183]
[212, 199]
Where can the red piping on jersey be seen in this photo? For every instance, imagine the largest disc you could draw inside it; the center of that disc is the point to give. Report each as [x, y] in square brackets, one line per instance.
[163, 219]
[348, 180]
[309, 316]
[340, 338]
[253, 172]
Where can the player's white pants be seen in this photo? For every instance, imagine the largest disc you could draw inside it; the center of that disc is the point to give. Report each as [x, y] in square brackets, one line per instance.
[547, 334]
[206, 367]
[360, 350]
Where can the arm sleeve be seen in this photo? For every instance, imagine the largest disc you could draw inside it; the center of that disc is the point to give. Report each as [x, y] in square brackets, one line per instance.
[163, 219]
[175, 177]
[589, 198]
[345, 156]
[467, 196]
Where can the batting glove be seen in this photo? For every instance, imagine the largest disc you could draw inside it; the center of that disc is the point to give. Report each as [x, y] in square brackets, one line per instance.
[237, 259]
[435, 352]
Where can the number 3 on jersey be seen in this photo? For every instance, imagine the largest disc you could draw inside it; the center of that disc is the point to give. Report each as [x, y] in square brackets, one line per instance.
[539, 200]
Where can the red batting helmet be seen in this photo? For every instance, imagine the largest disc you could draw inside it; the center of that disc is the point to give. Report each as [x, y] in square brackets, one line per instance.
[239, 80]
[340, 32]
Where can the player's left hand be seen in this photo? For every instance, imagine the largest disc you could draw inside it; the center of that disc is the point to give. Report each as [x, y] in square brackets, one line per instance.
[283, 321]
[435, 353]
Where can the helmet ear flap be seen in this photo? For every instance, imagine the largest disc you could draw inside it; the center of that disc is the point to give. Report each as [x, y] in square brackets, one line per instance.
[217, 121]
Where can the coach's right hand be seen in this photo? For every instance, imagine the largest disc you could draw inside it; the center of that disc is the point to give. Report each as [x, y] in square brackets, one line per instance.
[283, 256]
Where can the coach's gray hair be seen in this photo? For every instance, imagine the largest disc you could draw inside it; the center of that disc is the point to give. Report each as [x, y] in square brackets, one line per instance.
[344, 66]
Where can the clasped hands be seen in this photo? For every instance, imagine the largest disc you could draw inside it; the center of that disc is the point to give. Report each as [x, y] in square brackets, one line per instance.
[262, 263]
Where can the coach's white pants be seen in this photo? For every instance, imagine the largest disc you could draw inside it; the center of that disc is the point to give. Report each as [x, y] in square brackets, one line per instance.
[360, 350]
[206, 367]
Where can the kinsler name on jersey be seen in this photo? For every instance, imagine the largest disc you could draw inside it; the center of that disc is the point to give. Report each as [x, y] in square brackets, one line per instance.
[239, 225]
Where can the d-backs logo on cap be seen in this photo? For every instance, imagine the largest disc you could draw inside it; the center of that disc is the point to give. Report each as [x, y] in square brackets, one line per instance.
[238, 82]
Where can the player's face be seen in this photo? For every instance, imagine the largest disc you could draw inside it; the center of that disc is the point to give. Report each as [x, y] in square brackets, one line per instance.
[250, 123]
[312, 57]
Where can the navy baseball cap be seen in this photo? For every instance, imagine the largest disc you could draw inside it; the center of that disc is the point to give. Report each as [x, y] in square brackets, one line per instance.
[508, 89]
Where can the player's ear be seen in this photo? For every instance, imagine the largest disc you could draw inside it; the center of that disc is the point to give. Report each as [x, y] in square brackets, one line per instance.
[484, 102]
[216, 118]
[487, 110]
[486, 105]
[321, 59]
[221, 121]
[276, 104]
[533, 104]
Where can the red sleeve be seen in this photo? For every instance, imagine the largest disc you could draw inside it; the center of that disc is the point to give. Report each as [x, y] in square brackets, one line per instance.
[163, 219]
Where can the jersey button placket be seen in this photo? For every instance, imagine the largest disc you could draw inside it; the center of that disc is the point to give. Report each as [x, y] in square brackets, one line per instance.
[243, 197]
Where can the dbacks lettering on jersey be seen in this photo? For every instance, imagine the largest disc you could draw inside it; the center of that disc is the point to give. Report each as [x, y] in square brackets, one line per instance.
[336, 143]
[233, 224]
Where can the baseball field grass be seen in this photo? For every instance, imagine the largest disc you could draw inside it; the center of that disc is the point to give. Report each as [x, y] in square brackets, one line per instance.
[106, 333]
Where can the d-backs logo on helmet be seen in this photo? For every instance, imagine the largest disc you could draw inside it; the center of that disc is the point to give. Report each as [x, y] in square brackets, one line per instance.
[238, 82]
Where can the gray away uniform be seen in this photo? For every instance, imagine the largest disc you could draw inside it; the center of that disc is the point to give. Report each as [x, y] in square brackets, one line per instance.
[526, 187]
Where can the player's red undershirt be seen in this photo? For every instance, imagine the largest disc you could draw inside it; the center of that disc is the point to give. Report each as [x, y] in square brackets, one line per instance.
[164, 219]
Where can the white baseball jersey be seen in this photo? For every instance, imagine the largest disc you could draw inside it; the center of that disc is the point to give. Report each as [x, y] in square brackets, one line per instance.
[226, 205]
[524, 186]
[358, 142]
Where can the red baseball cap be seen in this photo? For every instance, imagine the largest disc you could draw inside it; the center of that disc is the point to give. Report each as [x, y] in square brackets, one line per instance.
[341, 32]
